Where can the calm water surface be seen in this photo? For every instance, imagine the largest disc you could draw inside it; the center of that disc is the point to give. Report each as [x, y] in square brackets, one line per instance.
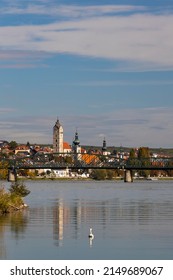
[129, 221]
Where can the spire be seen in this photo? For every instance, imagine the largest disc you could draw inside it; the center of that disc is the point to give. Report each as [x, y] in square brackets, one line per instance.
[104, 148]
[76, 147]
[76, 141]
[57, 124]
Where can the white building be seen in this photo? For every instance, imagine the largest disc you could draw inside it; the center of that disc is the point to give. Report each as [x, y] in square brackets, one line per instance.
[64, 173]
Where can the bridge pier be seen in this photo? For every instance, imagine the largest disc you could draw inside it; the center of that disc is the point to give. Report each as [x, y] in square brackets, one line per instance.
[12, 175]
[128, 176]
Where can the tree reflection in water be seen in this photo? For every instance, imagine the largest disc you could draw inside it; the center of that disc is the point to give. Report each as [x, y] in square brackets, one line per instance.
[17, 221]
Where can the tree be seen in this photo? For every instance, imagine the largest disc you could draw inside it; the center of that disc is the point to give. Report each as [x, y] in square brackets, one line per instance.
[99, 174]
[3, 170]
[170, 173]
[103, 174]
[144, 156]
[110, 174]
[13, 145]
[28, 144]
[132, 160]
[19, 189]
[132, 153]
[68, 159]
[143, 152]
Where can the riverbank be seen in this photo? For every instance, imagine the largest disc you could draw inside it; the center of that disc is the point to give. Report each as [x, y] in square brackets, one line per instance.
[12, 200]
[86, 179]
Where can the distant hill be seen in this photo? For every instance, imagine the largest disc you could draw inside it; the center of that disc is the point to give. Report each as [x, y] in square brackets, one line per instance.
[160, 151]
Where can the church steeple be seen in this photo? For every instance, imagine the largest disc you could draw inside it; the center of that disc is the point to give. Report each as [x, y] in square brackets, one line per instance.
[76, 146]
[104, 147]
[76, 141]
[58, 137]
[57, 124]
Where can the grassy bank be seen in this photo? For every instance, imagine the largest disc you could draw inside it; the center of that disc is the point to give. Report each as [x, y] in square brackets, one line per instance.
[12, 200]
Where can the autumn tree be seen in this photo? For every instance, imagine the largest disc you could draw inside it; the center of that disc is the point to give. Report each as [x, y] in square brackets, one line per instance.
[132, 154]
[143, 152]
[3, 170]
[99, 174]
[144, 157]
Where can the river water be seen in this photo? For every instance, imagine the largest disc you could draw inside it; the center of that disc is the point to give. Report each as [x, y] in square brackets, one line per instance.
[129, 221]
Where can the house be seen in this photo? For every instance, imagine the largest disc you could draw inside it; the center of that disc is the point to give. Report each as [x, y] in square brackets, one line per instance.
[3, 144]
[64, 173]
[66, 147]
[22, 150]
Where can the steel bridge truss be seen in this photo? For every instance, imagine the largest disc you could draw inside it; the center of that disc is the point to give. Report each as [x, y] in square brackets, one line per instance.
[85, 161]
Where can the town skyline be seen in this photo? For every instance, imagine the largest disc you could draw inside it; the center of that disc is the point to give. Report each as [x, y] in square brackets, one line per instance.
[105, 69]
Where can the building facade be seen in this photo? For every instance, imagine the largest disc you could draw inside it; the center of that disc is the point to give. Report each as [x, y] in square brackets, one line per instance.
[58, 138]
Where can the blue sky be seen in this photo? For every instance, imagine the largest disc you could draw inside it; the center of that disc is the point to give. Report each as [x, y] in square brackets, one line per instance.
[104, 68]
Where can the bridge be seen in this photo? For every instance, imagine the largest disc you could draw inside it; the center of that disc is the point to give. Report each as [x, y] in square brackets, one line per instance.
[84, 161]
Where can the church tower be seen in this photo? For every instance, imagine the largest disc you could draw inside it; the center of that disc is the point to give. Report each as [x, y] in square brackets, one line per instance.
[58, 138]
[76, 146]
[104, 148]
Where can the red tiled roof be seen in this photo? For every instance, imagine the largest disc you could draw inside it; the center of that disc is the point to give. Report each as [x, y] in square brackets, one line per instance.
[66, 146]
[89, 158]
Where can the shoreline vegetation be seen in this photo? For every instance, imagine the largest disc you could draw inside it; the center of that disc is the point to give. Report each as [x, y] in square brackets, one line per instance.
[119, 178]
[12, 200]
[90, 179]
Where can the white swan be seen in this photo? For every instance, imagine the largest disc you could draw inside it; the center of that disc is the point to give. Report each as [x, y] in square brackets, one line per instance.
[91, 235]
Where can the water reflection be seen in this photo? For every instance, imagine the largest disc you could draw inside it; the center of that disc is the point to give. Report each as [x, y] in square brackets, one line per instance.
[74, 220]
[127, 221]
[2, 243]
[17, 222]
[91, 242]
[60, 217]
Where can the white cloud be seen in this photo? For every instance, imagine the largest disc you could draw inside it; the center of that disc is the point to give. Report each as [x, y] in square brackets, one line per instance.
[142, 39]
[103, 83]
[150, 127]
[130, 127]
[23, 129]
[69, 11]
[6, 110]
[22, 59]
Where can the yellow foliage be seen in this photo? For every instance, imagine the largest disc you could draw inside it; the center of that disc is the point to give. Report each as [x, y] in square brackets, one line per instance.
[3, 170]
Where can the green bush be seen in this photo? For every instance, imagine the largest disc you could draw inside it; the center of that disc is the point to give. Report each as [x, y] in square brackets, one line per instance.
[11, 201]
[103, 174]
[19, 189]
[99, 174]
